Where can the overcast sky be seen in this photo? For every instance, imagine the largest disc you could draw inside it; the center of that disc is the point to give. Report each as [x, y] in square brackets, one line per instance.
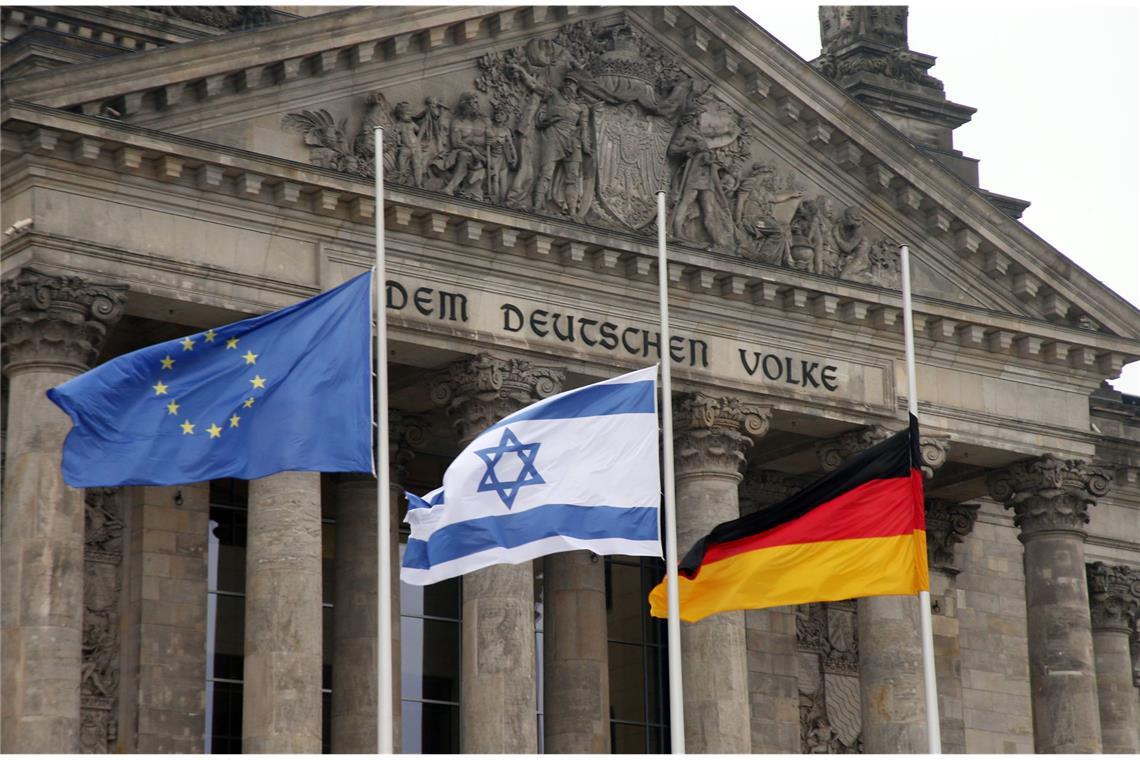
[1057, 88]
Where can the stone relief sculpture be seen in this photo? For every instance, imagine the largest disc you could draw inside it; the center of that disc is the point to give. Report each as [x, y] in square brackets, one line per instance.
[589, 125]
[99, 673]
[828, 645]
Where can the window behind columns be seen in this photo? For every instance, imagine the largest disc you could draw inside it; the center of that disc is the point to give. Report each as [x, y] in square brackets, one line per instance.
[639, 705]
[225, 615]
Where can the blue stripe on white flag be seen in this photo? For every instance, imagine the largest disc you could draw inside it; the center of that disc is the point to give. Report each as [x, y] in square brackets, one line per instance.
[509, 531]
[591, 401]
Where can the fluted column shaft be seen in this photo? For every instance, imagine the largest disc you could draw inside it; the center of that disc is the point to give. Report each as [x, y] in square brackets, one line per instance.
[53, 328]
[498, 709]
[1050, 498]
[576, 678]
[1114, 596]
[711, 438]
[281, 699]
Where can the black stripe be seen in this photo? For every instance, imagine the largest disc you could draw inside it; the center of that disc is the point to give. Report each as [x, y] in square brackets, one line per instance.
[893, 458]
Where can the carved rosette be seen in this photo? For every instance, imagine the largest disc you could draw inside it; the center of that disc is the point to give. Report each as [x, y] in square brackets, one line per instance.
[56, 319]
[1114, 596]
[99, 674]
[712, 434]
[483, 389]
[833, 453]
[1050, 494]
[947, 524]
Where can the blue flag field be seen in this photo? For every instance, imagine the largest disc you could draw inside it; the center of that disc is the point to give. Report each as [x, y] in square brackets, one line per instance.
[289, 390]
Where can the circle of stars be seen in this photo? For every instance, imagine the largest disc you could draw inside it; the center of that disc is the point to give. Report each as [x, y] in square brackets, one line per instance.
[188, 346]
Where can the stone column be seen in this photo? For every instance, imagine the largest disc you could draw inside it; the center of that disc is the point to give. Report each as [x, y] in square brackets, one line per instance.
[281, 701]
[711, 437]
[354, 613]
[1051, 498]
[947, 524]
[1114, 597]
[892, 699]
[498, 712]
[53, 328]
[576, 678]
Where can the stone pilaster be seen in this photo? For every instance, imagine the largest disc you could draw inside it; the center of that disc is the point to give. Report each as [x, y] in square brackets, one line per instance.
[53, 328]
[1114, 598]
[354, 612]
[947, 525]
[576, 679]
[890, 650]
[281, 700]
[1051, 498]
[163, 689]
[711, 436]
[499, 709]
[770, 635]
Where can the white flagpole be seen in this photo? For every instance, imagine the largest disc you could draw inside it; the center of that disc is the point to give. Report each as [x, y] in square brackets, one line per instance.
[933, 729]
[383, 499]
[676, 699]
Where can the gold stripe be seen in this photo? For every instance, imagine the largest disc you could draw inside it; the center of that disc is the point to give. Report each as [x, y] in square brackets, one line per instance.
[821, 571]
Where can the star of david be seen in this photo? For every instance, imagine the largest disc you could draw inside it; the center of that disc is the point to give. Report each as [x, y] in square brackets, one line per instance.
[494, 456]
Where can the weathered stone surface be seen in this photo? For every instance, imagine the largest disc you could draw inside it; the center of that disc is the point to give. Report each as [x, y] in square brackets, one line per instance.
[52, 327]
[576, 682]
[1114, 596]
[1051, 498]
[947, 524]
[711, 437]
[281, 700]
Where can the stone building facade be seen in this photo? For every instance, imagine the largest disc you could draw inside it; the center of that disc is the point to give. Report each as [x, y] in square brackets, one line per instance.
[168, 170]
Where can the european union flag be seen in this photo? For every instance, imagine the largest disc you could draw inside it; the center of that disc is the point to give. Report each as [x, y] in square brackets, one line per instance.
[289, 390]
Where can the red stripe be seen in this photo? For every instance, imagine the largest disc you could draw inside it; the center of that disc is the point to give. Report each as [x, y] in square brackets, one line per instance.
[883, 507]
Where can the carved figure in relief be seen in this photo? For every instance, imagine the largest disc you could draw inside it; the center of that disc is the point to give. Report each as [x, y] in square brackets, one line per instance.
[850, 239]
[546, 62]
[466, 160]
[433, 128]
[324, 136]
[501, 154]
[823, 241]
[379, 114]
[822, 738]
[563, 123]
[98, 675]
[764, 213]
[699, 188]
[409, 156]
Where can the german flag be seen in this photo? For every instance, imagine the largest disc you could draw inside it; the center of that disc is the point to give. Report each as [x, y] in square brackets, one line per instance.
[857, 531]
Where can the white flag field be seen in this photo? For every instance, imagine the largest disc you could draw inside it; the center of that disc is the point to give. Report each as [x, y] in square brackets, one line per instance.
[579, 470]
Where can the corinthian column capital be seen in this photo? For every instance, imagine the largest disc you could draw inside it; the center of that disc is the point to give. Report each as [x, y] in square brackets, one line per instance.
[947, 525]
[711, 434]
[56, 319]
[1114, 596]
[832, 453]
[1049, 493]
[483, 389]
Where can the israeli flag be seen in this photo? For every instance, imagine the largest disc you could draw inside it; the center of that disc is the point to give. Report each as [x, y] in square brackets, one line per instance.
[575, 471]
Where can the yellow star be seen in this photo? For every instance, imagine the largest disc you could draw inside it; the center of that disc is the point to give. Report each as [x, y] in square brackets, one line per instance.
[172, 407]
[258, 381]
[187, 344]
[248, 402]
[231, 343]
[210, 335]
[187, 428]
[168, 363]
[214, 431]
[159, 388]
[234, 421]
[250, 357]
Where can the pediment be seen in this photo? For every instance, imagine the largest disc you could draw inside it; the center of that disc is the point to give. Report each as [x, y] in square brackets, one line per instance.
[583, 118]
